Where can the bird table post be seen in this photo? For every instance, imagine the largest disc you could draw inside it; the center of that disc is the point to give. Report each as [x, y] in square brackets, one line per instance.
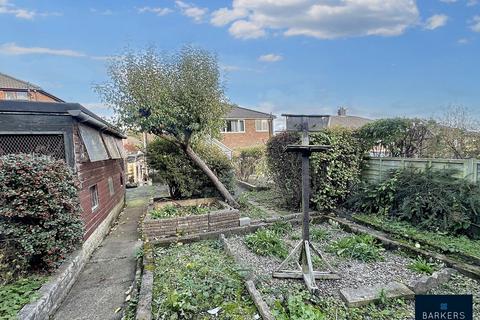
[305, 124]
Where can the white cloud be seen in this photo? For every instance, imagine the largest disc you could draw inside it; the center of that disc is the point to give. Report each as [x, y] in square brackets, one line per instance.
[14, 49]
[106, 12]
[323, 19]
[475, 24]
[189, 10]
[271, 57]
[6, 7]
[471, 3]
[156, 10]
[436, 21]
[463, 41]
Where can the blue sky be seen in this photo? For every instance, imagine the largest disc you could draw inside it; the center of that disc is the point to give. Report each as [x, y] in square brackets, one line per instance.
[378, 58]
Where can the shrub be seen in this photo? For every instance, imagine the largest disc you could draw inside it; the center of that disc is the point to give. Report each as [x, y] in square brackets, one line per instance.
[39, 212]
[266, 242]
[337, 170]
[249, 162]
[295, 308]
[183, 177]
[333, 173]
[285, 168]
[430, 199]
[361, 247]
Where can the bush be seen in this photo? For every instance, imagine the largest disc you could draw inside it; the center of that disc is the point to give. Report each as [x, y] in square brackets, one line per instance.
[249, 162]
[285, 168]
[183, 177]
[430, 199]
[333, 172]
[39, 212]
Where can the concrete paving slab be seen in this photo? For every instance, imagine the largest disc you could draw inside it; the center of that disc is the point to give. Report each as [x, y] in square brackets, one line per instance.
[356, 297]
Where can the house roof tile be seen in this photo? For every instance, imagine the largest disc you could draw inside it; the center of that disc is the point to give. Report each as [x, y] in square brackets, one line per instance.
[244, 113]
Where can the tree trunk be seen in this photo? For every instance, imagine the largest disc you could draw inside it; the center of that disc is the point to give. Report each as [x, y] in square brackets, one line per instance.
[216, 182]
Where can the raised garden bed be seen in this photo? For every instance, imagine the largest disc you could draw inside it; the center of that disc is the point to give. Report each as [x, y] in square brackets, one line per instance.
[288, 297]
[183, 217]
[198, 281]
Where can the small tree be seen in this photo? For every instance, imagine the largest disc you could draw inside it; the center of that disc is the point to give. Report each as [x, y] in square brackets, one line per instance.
[177, 97]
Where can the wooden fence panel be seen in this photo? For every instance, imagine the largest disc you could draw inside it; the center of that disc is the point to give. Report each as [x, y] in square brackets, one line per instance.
[377, 169]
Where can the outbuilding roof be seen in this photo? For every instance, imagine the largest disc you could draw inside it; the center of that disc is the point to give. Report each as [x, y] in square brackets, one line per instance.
[244, 113]
[75, 110]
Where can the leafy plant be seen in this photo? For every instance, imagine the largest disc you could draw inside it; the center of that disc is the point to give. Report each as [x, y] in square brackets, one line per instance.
[295, 308]
[191, 279]
[15, 295]
[281, 228]
[318, 234]
[170, 211]
[40, 220]
[421, 265]
[266, 242]
[248, 161]
[360, 247]
[183, 178]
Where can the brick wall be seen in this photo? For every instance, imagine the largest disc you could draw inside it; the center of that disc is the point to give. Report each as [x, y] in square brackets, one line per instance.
[97, 173]
[251, 137]
[34, 96]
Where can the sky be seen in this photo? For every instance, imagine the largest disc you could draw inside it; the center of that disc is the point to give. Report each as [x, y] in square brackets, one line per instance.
[377, 58]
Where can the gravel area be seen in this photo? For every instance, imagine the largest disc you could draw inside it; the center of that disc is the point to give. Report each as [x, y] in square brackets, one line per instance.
[353, 273]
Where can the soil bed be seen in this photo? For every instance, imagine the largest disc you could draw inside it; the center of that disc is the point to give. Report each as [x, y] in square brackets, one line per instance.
[280, 294]
[193, 281]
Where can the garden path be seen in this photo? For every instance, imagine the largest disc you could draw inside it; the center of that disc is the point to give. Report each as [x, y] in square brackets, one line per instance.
[100, 290]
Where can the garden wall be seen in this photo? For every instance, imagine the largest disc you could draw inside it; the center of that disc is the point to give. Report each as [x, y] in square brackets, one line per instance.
[377, 168]
[171, 227]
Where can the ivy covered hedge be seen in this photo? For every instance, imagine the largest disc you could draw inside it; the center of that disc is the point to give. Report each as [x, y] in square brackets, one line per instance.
[431, 199]
[40, 220]
[333, 172]
[183, 178]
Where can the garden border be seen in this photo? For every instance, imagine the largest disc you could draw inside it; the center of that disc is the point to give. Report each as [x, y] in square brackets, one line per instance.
[55, 290]
[251, 187]
[468, 270]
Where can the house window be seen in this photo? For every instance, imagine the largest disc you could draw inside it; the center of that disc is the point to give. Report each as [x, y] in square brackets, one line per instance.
[110, 186]
[234, 126]
[121, 179]
[94, 197]
[16, 95]
[261, 125]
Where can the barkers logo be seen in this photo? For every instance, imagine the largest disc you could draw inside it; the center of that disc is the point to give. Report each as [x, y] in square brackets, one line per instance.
[444, 307]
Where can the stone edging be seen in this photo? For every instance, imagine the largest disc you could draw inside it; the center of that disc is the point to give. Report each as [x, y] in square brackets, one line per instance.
[144, 305]
[468, 270]
[54, 291]
[250, 187]
[426, 283]
[256, 296]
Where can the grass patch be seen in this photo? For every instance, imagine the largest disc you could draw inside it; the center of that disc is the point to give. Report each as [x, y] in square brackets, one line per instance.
[437, 240]
[171, 211]
[249, 210]
[15, 295]
[282, 228]
[422, 266]
[266, 242]
[268, 198]
[359, 247]
[136, 203]
[192, 279]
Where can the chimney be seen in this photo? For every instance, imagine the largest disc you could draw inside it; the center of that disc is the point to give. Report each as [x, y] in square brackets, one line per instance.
[342, 111]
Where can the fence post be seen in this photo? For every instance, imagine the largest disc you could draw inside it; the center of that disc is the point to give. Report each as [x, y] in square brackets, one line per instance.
[469, 169]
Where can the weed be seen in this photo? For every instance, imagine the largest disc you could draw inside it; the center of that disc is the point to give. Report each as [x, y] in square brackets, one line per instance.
[15, 295]
[281, 228]
[295, 308]
[266, 242]
[423, 266]
[318, 234]
[360, 247]
[170, 211]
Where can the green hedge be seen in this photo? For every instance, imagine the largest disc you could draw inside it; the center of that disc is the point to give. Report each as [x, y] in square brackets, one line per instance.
[40, 220]
[249, 161]
[333, 172]
[183, 177]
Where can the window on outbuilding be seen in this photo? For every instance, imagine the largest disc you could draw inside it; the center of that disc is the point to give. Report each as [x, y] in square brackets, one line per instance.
[111, 188]
[94, 197]
[261, 125]
[16, 95]
[93, 142]
[111, 146]
[45, 144]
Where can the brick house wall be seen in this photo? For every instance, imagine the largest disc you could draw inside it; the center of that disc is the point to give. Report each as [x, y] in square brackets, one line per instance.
[251, 137]
[34, 96]
[97, 173]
